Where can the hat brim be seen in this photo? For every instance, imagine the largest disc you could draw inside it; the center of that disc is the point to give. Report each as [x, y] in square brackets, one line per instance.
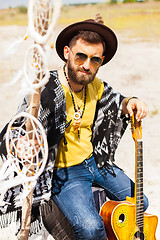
[105, 32]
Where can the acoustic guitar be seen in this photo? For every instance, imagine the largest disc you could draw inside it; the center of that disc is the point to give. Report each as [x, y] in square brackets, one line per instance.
[126, 220]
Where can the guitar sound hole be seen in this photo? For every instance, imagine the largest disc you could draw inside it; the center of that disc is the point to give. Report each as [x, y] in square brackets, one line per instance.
[122, 218]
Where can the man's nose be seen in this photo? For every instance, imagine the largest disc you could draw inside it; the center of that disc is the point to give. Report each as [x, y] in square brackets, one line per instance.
[87, 63]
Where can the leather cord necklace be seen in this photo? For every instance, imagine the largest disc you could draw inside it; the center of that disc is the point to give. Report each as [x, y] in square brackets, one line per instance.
[78, 114]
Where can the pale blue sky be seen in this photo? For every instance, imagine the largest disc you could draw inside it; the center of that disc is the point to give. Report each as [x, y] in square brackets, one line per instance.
[15, 3]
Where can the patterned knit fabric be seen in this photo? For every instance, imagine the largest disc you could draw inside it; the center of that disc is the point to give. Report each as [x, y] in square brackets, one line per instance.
[108, 129]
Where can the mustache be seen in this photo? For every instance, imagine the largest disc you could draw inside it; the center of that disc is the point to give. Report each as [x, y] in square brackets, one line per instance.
[85, 70]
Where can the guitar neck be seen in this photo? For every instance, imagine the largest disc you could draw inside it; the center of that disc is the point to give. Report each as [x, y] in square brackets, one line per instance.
[139, 184]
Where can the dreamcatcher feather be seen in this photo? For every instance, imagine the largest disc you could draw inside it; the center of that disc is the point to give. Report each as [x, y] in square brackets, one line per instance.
[25, 161]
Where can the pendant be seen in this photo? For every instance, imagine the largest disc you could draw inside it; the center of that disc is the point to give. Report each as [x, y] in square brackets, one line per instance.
[77, 124]
[77, 120]
[77, 114]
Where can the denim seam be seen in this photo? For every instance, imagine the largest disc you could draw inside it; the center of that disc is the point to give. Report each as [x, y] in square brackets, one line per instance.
[86, 165]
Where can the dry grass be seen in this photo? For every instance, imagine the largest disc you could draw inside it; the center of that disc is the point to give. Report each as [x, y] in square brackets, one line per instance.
[155, 111]
[12, 17]
[134, 20]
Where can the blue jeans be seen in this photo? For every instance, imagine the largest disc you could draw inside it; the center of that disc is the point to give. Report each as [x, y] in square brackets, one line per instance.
[72, 192]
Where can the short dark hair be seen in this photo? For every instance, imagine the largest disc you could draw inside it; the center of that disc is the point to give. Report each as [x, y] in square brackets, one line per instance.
[88, 36]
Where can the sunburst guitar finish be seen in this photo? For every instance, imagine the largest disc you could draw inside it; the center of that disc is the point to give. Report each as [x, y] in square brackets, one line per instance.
[119, 221]
[126, 220]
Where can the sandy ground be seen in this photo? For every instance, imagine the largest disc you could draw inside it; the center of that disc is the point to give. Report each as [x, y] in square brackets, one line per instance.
[134, 71]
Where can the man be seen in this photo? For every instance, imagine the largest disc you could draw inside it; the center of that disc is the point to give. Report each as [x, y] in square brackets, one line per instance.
[84, 120]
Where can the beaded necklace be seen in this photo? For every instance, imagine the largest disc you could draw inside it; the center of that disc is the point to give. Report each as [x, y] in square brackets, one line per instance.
[78, 114]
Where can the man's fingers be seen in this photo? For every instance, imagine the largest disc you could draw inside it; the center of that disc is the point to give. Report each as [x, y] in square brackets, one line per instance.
[139, 106]
[142, 111]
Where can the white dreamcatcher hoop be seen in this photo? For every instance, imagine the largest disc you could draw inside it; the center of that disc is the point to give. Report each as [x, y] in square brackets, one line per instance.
[21, 170]
[42, 18]
[32, 155]
[35, 65]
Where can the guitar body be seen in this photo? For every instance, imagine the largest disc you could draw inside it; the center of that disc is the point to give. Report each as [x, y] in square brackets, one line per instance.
[119, 221]
[126, 220]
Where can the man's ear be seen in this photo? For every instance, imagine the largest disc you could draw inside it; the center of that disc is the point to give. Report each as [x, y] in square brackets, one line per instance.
[103, 57]
[66, 52]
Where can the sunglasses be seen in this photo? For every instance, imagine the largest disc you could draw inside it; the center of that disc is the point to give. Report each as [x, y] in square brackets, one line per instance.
[80, 58]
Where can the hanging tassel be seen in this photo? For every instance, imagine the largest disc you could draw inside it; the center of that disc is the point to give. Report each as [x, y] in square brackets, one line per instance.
[14, 47]
[46, 208]
[48, 52]
[7, 218]
[35, 227]
[25, 89]
[15, 78]
[27, 188]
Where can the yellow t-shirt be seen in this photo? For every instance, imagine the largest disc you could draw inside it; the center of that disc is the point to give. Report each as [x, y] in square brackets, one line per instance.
[75, 152]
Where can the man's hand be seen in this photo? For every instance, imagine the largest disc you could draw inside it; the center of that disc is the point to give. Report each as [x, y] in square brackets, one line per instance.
[131, 104]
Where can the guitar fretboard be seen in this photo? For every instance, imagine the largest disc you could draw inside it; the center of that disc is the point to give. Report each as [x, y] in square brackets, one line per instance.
[139, 198]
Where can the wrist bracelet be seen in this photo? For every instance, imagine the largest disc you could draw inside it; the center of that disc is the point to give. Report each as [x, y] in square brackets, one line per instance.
[129, 98]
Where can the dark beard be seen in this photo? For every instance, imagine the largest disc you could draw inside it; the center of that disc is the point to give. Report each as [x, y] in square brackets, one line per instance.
[74, 76]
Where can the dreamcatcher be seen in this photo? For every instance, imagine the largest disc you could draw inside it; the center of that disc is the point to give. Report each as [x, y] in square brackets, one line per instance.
[25, 160]
[26, 142]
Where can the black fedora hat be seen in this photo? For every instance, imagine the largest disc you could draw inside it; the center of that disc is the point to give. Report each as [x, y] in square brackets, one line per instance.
[105, 32]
